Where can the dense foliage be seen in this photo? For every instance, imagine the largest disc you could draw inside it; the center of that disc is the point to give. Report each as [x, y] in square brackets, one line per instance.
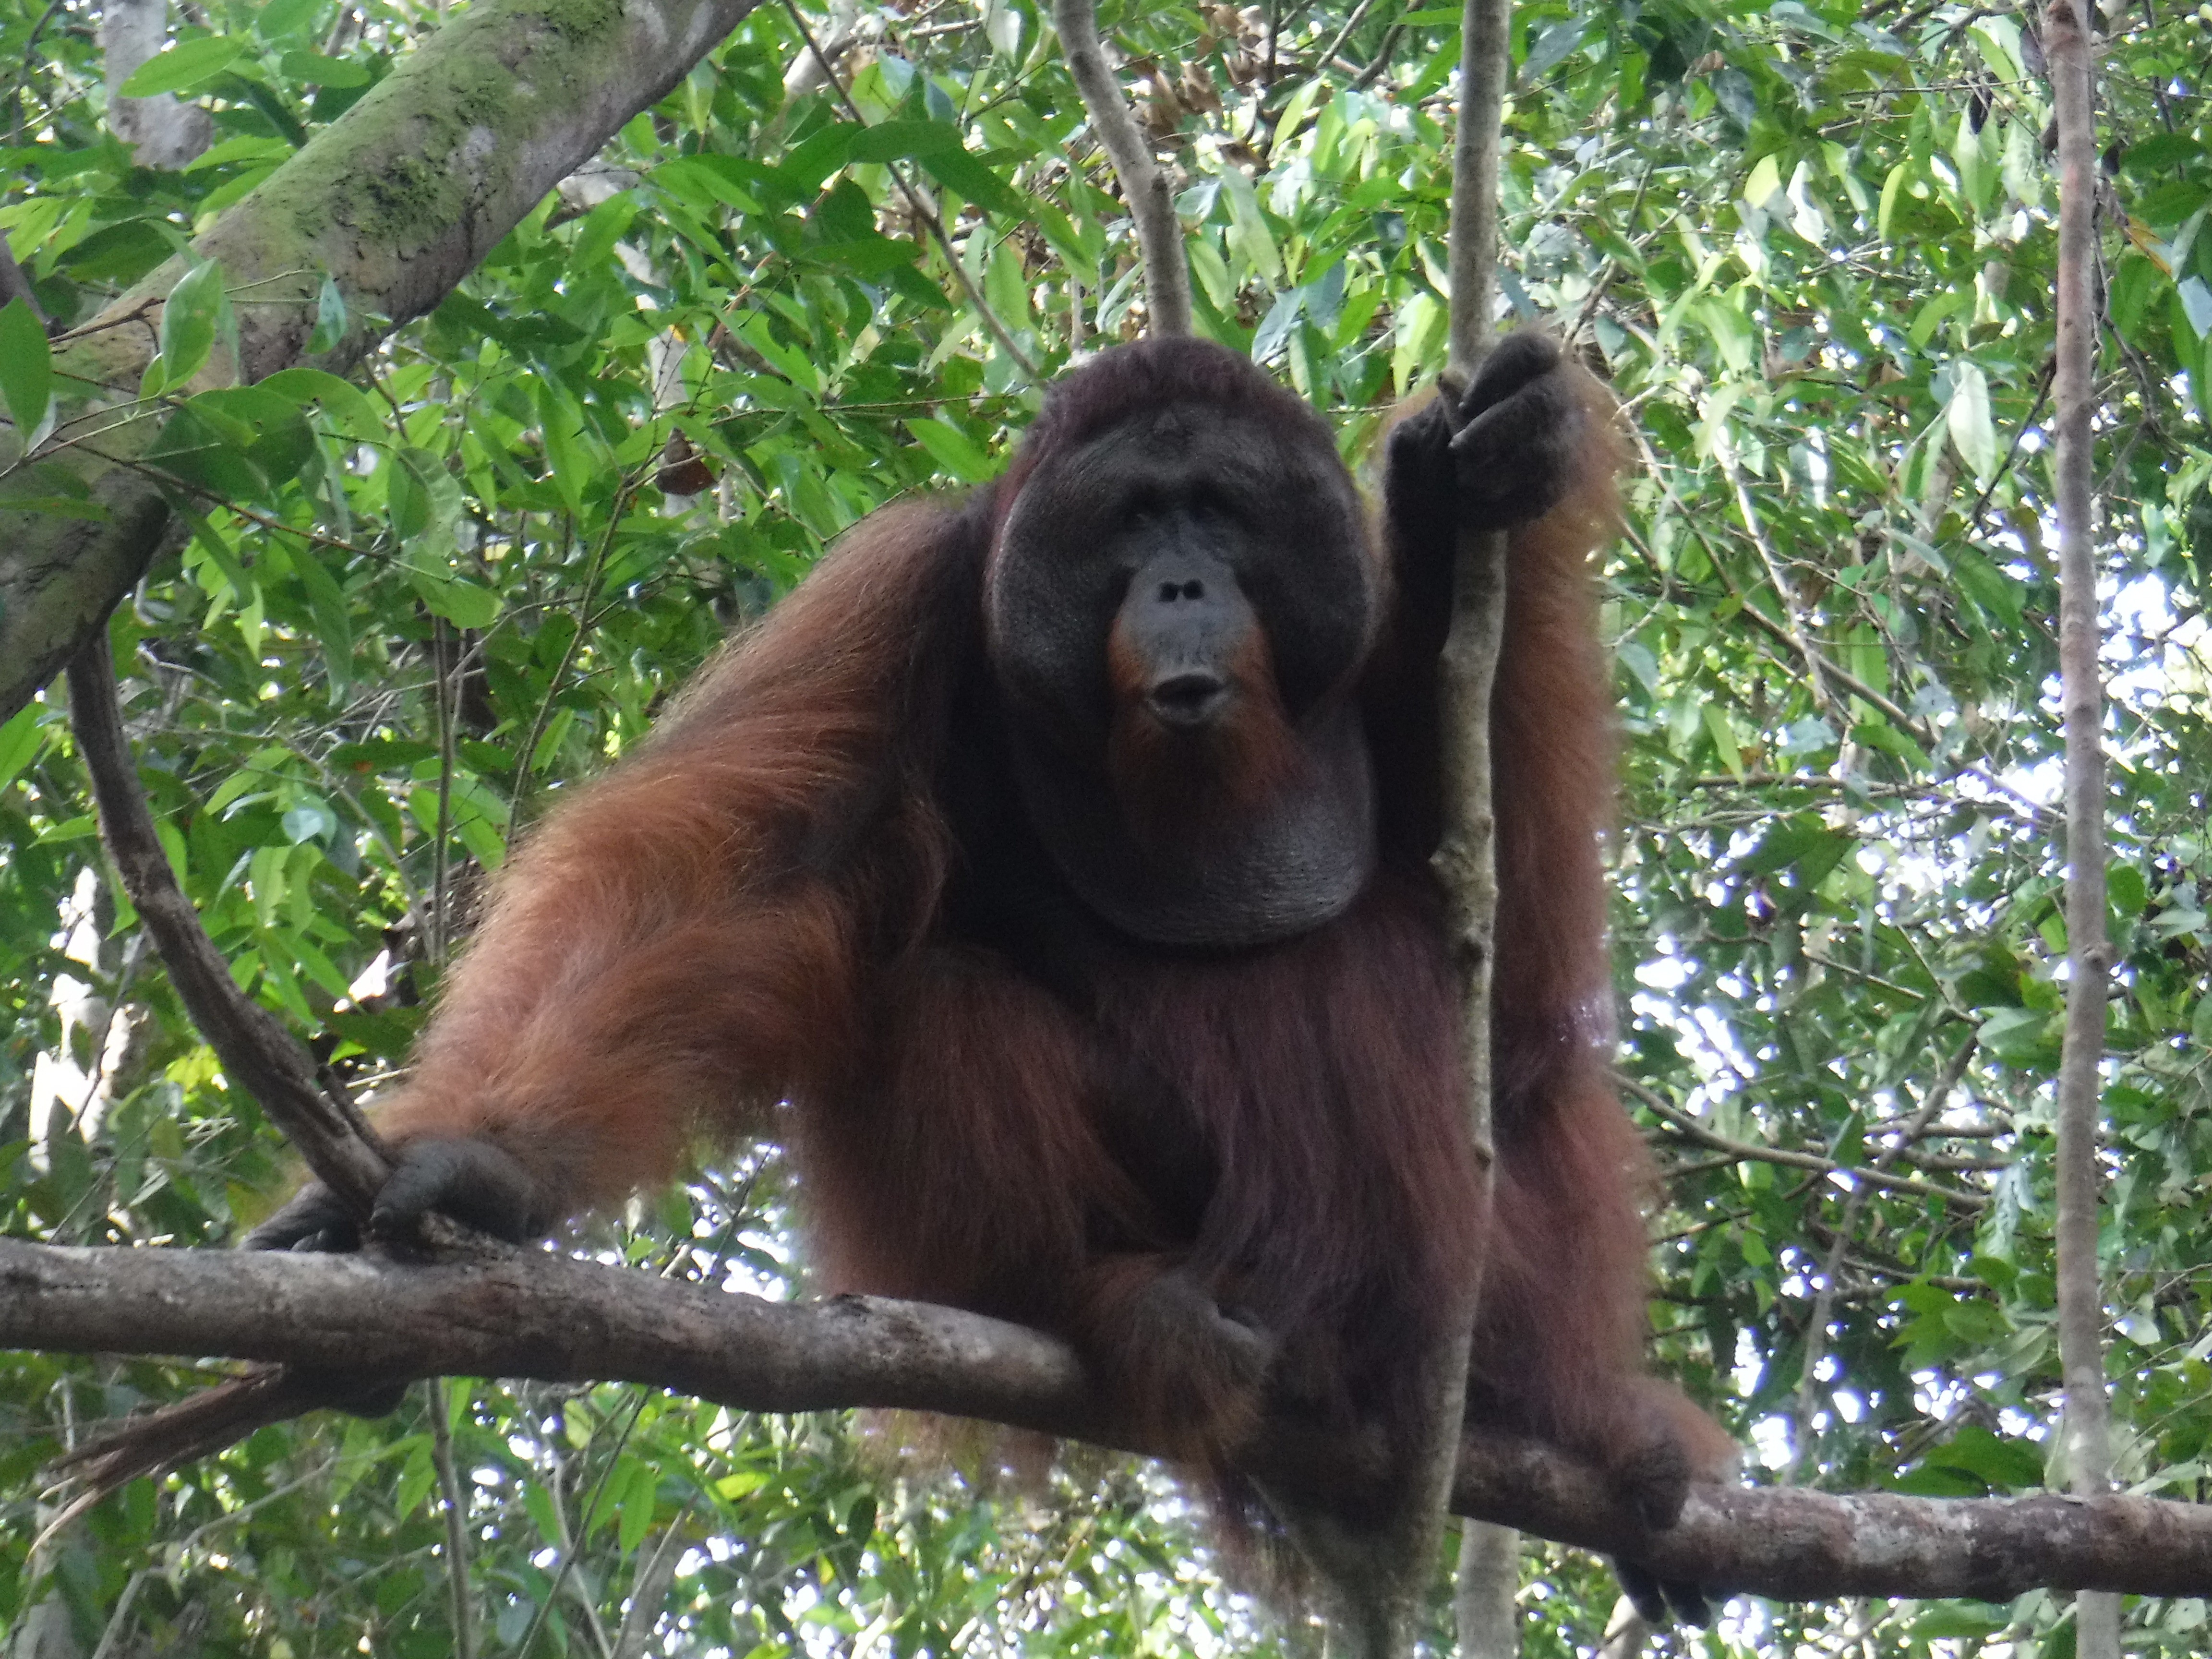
[1812, 250]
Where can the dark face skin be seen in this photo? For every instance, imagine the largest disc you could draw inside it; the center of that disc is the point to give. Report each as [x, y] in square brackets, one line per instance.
[1185, 628]
[1177, 610]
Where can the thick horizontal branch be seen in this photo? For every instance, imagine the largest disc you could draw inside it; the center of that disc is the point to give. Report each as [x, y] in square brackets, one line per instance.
[533, 1314]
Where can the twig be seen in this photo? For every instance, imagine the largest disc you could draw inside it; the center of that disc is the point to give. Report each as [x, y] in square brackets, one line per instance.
[1691, 1130]
[1824, 1299]
[1351, 27]
[2042, 379]
[924, 209]
[441, 850]
[456, 1522]
[526, 767]
[567, 1544]
[15, 285]
[118, 1620]
[649, 1587]
[1800, 637]
[1144, 187]
[23, 75]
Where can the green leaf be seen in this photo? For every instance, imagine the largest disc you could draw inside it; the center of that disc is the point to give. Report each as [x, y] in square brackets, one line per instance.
[310, 820]
[1765, 183]
[184, 66]
[341, 397]
[266, 426]
[961, 173]
[1892, 188]
[1248, 233]
[27, 367]
[2019, 1035]
[247, 147]
[1722, 731]
[280, 18]
[557, 420]
[463, 603]
[196, 311]
[1967, 416]
[416, 1476]
[330, 319]
[20, 739]
[1803, 844]
[1989, 587]
[891, 141]
[638, 1503]
[425, 499]
[951, 449]
[327, 602]
[1005, 287]
[317, 70]
[2157, 152]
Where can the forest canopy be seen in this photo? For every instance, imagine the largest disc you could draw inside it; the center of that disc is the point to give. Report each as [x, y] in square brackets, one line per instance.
[491, 508]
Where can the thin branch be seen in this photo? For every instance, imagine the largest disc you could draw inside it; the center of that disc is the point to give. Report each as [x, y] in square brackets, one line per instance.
[648, 1588]
[256, 1051]
[1799, 635]
[15, 285]
[1144, 187]
[925, 210]
[443, 673]
[1466, 859]
[455, 1498]
[1351, 27]
[2042, 379]
[1693, 1130]
[524, 1313]
[1824, 1299]
[527, 768]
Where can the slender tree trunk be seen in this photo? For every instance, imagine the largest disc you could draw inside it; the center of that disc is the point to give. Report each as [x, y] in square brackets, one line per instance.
[2080, 1297]
[1466, 860]
[1483, 1607]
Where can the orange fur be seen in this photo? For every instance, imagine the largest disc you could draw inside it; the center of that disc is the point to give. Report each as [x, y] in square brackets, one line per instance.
[759, 908]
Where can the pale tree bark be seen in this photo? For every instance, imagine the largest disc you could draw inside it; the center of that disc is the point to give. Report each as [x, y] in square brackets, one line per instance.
[1483, 1608]
[1626, 1633]
[1145, 186]
[161, 131]
[531, 1314]
[2066, 39]
[394, 202]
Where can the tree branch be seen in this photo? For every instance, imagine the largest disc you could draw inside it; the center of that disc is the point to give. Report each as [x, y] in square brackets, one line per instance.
[923, 208]
[1690, 1129]
[1143, 185]
[1466, 859]
[256, 1053]
[527, 1314]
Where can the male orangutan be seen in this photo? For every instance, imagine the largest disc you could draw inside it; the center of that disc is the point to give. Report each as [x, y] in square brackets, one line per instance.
[1051, 871]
